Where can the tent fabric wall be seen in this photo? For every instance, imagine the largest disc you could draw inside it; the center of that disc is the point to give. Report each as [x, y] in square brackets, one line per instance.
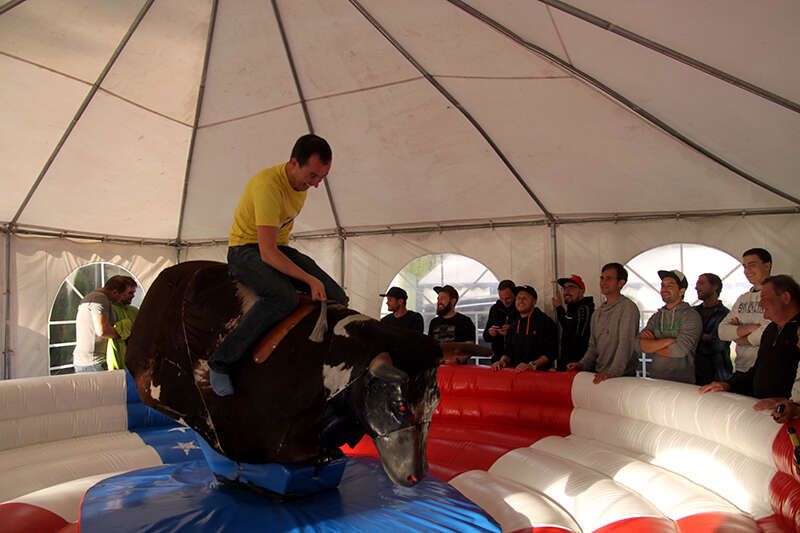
[523, 254]
[38, 268]
[585, 248]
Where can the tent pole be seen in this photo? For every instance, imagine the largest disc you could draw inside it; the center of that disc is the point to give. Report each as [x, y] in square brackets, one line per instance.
[304, 105]
[452, 99]
[198, 107]
[554, 247]
[7, 314]
[342, 250]
[79, 113]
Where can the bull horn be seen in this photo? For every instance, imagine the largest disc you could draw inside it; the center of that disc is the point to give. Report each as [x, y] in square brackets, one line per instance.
[454, 353]
[382, 367]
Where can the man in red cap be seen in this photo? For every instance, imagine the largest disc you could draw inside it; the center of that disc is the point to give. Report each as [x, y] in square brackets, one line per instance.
[575, 320]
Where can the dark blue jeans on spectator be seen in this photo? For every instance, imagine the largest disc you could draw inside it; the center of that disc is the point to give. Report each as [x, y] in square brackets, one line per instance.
[277, 299]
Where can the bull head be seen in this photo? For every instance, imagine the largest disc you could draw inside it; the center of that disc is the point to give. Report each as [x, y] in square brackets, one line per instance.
[398, 426]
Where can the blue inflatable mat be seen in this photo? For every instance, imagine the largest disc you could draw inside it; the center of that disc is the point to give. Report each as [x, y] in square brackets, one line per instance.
[186, 497]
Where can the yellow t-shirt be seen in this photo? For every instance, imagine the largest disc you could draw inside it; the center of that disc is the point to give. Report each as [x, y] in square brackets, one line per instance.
[268, 200]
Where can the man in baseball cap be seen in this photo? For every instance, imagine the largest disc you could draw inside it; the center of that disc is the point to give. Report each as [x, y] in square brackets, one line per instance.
[574, 315]
[399, 315]
[448, 325]
[672, 333]
[532, 339]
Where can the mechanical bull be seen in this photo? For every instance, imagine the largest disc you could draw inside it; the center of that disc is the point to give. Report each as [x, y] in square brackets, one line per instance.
[306, 399]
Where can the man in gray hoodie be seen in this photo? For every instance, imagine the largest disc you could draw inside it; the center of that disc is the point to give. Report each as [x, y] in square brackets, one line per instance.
[672, 333]
[613, 348]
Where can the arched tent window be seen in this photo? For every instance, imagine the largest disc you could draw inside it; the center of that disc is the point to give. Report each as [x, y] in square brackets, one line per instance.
[643, 285]
[475, 283]
[61, 327]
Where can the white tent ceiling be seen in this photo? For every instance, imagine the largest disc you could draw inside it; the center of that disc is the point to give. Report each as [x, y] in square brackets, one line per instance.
[141, 120]
[405, 154]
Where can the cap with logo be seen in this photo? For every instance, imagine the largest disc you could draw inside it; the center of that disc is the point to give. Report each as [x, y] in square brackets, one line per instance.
[576, 279]
[677, 275]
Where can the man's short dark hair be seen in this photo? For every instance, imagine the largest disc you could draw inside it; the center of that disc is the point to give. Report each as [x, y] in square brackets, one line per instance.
[119, 283]
[311, 144]
[762, 254]
[507, 284]
[715, 282]
[622, 274]
[783, 283]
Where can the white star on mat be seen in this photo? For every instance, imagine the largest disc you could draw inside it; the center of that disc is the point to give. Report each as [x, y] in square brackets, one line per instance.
[182, 429]
[186, 447]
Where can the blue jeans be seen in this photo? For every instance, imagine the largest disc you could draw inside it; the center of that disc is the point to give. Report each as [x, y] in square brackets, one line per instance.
[97, 367]
[277, 299]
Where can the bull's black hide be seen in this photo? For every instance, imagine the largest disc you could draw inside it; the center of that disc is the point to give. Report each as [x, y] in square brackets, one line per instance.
[278, 409]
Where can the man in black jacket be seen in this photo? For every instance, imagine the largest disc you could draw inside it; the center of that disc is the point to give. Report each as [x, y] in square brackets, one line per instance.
[501, 315]
[533, 338]
[575, 320]
[773, 373]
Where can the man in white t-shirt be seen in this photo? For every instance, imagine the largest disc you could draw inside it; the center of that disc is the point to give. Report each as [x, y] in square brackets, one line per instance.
[745, 323]
[93, 324]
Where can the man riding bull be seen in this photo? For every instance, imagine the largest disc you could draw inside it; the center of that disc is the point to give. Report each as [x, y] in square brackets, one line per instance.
[260, 258]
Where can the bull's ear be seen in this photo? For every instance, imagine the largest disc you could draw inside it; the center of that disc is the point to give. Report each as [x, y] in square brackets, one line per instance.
[383, 368]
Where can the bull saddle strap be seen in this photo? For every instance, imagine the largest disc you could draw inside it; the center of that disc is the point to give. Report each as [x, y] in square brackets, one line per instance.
[264, 347]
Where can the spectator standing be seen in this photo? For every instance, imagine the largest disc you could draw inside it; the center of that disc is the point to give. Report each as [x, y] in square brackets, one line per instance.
[532, 339]
[671, 335]
[401, 316]
[502, 314]
[712, 360]
[449, 325]
[745, 322]
[93, 325]
[613, 340]
[124, 314]
[775, 369]
[574, 318]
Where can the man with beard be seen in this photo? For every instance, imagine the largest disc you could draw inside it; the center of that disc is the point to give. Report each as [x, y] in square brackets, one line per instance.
[613, 348]
[713, 357]
[93, 325]
[124, 315]
[448, 325]
[501, 315]
[400, 316]
[745, 323]
[775, 369]
[532, 339]
[575, 320]
[671, 335]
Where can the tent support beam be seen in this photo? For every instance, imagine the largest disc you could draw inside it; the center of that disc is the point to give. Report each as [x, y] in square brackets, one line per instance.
[389, 230]
[85, 104]
[198, 107]
[309, 125]
[554, 249]
[7, 314]
[9, 6]
[622, 100]
[673, 54]
[444, 92]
